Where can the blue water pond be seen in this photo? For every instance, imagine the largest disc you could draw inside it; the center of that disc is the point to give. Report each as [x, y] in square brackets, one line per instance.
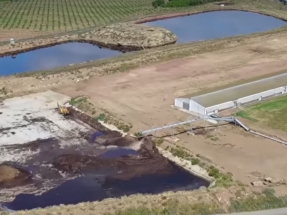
[217, 24]
[52, 57]
[204, 26]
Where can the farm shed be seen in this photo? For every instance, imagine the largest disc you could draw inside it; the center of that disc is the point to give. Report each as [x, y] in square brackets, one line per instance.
[232, 97]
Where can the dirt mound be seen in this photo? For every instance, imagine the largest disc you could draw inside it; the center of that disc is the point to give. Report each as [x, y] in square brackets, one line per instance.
[11, 176]
[119, 141]
[148, 161]
[75, 163]
[133, 36]
[92, 122]
[123, 37]
[7, 173]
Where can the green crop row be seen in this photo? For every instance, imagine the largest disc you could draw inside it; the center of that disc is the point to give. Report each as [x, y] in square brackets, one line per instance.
[180, 3]
[61, 15]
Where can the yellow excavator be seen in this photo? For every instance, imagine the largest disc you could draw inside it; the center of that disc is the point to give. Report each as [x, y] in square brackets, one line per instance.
[63, 110]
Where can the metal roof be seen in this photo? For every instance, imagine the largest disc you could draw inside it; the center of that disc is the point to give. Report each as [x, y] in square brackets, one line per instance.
[236, 92]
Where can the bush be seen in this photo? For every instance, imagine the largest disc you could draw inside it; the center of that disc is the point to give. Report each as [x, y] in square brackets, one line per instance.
[157, 3]
[182, 3]
[195, 161]
[158, 141]
[264, 201]
[180, 152]
[138, 134]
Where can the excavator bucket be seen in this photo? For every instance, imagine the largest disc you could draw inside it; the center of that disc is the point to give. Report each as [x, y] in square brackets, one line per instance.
[62, 110]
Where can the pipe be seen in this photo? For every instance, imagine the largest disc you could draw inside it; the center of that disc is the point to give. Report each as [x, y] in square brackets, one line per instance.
[265, 136]
[236, 121]
[226, 119]
[169, 126]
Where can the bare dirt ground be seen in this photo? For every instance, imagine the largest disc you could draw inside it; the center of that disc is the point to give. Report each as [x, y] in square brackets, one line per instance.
[143, 98]
[249, 158]
[17, 34]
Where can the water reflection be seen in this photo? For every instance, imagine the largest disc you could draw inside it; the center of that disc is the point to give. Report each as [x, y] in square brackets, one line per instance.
[51, 57]
[218, 24]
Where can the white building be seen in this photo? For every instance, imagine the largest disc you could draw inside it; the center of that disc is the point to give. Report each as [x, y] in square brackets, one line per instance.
[232, 97]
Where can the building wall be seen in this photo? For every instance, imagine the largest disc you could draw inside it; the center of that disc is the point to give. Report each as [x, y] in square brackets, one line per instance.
[220, 107]
[247, 99]
[195, 107]
[178, 102]
[262, 95]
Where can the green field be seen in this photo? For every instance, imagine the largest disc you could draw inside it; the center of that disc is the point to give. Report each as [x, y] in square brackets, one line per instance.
[272, 113]
[55, 15]
[67, 15]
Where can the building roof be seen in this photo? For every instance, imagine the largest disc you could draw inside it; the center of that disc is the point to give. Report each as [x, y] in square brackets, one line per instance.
[236, 92]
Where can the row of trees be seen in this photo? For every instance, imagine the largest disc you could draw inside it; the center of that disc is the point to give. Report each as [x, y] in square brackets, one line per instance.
[7, 0]
[180, 3]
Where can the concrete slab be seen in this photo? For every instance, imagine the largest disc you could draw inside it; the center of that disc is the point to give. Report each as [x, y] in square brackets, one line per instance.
[28, 118]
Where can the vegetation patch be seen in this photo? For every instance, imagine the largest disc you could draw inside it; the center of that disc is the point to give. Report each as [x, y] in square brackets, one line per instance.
[271, 113]
[83, 104]
[260, 201]
[62, 15]
[57, 16]
[4, 91]
[222, 179]
[212, 137]
[158, 141]
[264, 201]
[180, 3]
[173, 208]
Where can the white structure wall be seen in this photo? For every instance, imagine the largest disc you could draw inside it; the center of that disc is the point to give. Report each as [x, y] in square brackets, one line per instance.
[195, 107]
[220, 107]
[262, 95]
[280, 90]
[178, 102]
[200, 109]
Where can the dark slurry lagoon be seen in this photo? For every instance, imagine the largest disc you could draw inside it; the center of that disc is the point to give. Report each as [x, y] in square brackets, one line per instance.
[103, 164]
[204, 26]
[217, 24]
[96, 187]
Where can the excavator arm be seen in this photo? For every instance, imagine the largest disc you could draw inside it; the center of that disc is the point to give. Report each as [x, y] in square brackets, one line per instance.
[63, 110]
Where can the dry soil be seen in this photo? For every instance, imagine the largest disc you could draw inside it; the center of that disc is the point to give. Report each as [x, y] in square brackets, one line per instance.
[143, 98]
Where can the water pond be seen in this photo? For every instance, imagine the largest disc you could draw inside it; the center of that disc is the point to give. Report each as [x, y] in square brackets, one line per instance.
[52, 57]
[118, 152]
[204, 26]
[217, 24]
[96, 187]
